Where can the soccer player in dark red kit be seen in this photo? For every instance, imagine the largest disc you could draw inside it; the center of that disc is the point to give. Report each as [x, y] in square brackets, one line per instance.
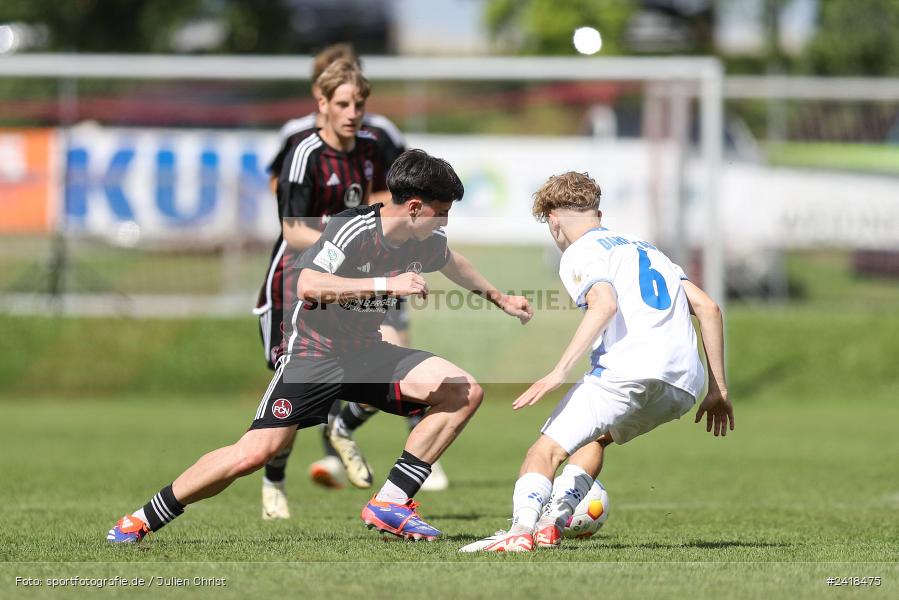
[328, 171]
[365, 259]
[343, 459]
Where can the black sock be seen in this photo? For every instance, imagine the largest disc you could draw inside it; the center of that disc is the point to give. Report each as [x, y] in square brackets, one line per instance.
[353, 415]
[409, 473]
[162, 509]
[274, 469]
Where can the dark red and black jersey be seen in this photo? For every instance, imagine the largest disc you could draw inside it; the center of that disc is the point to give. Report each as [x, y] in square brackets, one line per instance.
[390, 144]
[317, 181]
[353, 246]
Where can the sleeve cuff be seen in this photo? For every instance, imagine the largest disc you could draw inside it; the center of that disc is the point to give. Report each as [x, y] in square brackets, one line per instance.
[582, 294]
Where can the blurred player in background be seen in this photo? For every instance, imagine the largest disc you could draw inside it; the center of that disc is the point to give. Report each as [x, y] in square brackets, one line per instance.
[645, 366]
[346, 461]
[366, 258]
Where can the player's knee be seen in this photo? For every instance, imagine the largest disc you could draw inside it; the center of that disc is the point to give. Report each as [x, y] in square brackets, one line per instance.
[468, 396]
[475, 395]
[251, 461]
[252, 457]
[461, 394]
[547, 451]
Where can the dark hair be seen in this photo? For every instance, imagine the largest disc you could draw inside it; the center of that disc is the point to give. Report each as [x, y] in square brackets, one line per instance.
[417, 174]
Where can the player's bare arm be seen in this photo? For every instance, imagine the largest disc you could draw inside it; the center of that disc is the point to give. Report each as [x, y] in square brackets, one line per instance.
[314, 286]
[298, 235]
[716, 405]
[602, 304]
[460, 271]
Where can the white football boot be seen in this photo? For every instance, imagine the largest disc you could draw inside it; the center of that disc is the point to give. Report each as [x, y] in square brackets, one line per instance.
[274, 500]
[548, 533]
[516, 540]
[357, 469]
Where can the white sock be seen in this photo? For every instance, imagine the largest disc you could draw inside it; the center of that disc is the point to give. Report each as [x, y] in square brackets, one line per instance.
[139, 513]
[277, 484]
[390, 492]
[532, 490]
[569, 488]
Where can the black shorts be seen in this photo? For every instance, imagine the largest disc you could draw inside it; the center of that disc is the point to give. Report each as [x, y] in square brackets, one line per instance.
[303, 389]
[271, 329]
[398, 317]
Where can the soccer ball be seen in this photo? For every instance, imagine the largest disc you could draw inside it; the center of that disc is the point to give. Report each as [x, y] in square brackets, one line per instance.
[590, 514]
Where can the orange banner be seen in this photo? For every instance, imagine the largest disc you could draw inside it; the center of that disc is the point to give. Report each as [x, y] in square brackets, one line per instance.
[27, 180]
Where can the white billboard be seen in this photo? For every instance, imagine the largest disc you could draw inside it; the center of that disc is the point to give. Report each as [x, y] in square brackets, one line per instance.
[200, 186]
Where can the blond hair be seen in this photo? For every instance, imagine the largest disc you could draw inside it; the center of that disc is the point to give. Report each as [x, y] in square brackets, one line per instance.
[332, 53]
[572, 190]
[338, 73]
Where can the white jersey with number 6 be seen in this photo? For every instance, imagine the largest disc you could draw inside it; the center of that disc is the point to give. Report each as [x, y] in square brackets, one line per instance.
[651, 336]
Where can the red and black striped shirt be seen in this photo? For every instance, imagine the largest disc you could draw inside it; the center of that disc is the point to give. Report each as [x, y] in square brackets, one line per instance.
[391, 143]
[353, 246]
[316, 181]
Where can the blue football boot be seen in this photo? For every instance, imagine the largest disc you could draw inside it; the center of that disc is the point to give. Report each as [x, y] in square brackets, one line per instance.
[401, 520]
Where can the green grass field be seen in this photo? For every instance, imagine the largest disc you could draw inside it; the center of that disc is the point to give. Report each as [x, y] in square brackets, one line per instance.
[797, 494]
[97, 415]
[806, 488]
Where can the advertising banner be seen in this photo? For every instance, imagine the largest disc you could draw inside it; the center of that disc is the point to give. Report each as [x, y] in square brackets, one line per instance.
[28, 180]
[202, 187]
[206, 185]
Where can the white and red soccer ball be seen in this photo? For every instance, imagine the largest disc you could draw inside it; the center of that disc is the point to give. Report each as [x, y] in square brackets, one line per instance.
[590, 514]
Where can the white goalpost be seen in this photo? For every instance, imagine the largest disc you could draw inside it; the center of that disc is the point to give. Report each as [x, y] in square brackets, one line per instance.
[676, 80]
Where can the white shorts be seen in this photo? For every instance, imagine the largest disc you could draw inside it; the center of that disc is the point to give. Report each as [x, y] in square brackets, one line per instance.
[622, 408]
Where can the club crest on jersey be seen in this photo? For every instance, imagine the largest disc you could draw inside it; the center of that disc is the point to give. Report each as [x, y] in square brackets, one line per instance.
[369, 169]
[281, 408]
[414, 267]
[353, 196]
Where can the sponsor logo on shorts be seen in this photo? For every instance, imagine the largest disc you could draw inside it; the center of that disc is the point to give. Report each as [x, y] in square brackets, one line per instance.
[281, 408]
[414, 267]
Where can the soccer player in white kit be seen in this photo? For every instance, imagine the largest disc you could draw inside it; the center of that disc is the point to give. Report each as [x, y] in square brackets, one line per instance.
[645, 368]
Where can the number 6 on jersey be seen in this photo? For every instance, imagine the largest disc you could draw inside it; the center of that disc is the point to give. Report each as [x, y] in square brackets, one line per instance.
[652, 284]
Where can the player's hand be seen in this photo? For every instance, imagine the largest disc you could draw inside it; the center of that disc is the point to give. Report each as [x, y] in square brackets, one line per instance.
[541, 388]
[719, 413]
[516, 306]
[407, 284]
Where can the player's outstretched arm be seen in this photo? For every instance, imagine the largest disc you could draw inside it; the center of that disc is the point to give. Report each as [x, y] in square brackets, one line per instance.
[716, 405]
[325, 288]
[460, 271]
[602, 304]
